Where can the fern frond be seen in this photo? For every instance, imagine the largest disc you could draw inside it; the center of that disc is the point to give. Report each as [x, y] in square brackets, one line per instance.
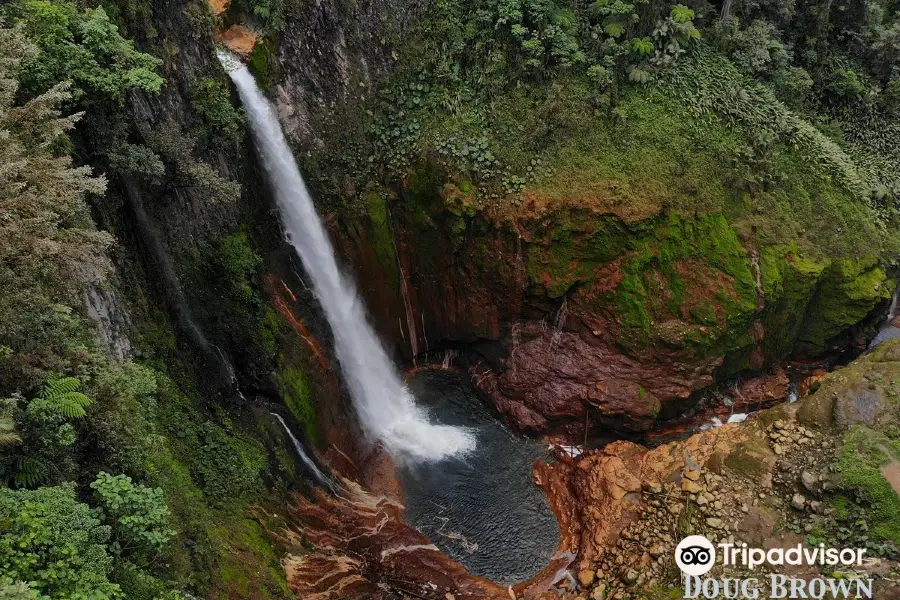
[62, 394]
[32, 472]
[638, 75]
[9, 438]
[60, 385]
[681, 13]
[71, 404]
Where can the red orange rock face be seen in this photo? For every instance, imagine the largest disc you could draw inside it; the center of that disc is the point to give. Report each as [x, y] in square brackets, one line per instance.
[364, 549]
[561, 374]
[239, 39]
[219, 6]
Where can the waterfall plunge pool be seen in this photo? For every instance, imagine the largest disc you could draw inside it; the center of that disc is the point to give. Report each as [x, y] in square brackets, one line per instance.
[481, 508]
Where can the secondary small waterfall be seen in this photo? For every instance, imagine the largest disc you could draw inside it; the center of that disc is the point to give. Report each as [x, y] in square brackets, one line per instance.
[316, 472]
[386, 408]
[184, 314]
[888, 330]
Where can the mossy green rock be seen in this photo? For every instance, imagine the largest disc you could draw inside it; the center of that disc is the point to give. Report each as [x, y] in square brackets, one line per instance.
[673, 279]
[859, 406]
[865, 392]
[846, 293]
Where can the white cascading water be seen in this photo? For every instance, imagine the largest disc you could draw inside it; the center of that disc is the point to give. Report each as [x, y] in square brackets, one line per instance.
[386, 408]
[298, 447]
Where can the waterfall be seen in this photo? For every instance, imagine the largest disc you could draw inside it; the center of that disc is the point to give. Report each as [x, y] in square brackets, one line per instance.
[385, 407]
[793, 395]
[317, 473]
[892, 310]
[449, 355]
[175, 292]
[888, 331]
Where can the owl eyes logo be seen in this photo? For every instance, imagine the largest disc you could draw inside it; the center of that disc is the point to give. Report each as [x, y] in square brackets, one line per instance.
[695, 555]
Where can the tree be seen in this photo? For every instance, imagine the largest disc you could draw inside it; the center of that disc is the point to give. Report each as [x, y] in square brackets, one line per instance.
[183, 170]
[758, 49]
[48, 247]
[220, 122]
[887, 50]
[84, 47]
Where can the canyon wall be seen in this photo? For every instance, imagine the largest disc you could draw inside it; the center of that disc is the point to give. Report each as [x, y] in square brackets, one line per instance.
[572, 313]
[208, 248]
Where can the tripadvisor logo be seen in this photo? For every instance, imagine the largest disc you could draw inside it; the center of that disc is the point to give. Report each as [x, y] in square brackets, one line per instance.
[695, 556]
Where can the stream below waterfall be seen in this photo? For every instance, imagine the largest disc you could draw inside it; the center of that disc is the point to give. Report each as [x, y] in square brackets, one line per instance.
[481, 508]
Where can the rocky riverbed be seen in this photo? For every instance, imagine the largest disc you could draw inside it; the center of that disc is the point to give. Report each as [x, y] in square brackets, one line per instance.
[821, 471]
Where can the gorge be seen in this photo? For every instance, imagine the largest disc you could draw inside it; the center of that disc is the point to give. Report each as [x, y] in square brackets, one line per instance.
[453, 299]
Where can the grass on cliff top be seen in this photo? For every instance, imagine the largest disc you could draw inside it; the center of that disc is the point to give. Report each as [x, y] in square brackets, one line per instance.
[651, 156]
[535, 145]
[635, 162]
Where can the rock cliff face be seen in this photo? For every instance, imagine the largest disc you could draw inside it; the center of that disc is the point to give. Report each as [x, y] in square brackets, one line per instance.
[163, 223]
[328, 57]
[568, 314]
[196, 241]
[575, 315]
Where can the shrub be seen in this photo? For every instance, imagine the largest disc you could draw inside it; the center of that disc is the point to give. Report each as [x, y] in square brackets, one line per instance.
[44, 428]
[139, 515]
[122, 424]
[55, 544]
[220, 122]
[229, 466]
[793, 85]
[758, 50]
[19, 590]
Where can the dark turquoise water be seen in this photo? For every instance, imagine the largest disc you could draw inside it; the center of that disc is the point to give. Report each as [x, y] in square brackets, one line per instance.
[482, 509]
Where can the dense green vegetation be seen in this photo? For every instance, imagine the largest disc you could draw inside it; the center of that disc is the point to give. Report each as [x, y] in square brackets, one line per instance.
[776, 115]
[685, 134]
[117, 479]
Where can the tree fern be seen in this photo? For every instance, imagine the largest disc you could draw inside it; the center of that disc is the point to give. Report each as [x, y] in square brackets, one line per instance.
[639, 75]
[642, 46]
[681, 13]
[62, 396]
